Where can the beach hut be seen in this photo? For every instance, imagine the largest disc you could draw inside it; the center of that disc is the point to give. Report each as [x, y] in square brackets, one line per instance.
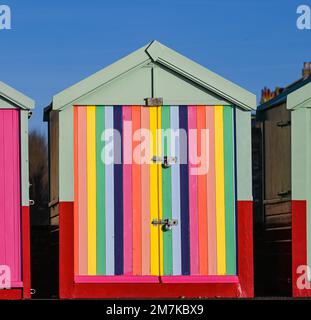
[150, 179]
[285, 122]
[14, 194]
[299, 103]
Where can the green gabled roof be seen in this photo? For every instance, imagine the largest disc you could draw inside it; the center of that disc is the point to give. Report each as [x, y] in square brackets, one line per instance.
[300, 98]
[158, 53]
[15, 97]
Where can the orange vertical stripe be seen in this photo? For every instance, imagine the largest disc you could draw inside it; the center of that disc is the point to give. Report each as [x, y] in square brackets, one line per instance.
[145, 188]
[202, 191]
[136, 188]
[76, 190]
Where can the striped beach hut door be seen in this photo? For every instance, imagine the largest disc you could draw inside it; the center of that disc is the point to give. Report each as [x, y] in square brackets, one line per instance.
[154, 192]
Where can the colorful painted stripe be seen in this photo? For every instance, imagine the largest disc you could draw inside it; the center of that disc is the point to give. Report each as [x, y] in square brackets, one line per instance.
[211, 194]
[154, 195]
[193, 191]
[202, 189]
[145, 189]
[127, 190]
[100, 195]
[109, 189]
[175, 189]
[76, 192]
[120, 192]
[229, 190]
[167, 192]
[81, 181]
[91, 187]
[184, 191]
[136, 192]
[220, 191]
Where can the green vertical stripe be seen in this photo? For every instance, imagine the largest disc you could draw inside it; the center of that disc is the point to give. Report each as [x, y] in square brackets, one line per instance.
[229, 190]
[100, 195]
[167, 194]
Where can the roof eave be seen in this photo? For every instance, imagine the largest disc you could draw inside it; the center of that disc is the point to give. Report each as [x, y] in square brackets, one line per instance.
[169, 58]
[300, 98]
[202, 76]
[15, 97]
[100, 78]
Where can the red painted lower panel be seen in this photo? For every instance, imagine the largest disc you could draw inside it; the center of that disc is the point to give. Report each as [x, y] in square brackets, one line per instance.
[26, 252]
[21, 290]
[66, 250]
[301, 287]
[147, 291]
[241, 287]
[245, 248]
[14, 294]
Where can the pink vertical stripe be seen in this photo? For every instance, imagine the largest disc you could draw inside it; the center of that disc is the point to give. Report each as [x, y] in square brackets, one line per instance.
[211, 195]
[10, 205]
[127, 190]
[2, 191]
[17, 196]
[76, 193]
[145, 189]
[193, 192]
[136, 187]
[82, 191]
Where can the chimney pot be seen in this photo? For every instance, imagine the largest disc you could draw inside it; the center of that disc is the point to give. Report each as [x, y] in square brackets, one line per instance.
[306, 72]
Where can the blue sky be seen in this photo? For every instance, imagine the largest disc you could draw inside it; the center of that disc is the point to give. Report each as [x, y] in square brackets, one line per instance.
[54, 44]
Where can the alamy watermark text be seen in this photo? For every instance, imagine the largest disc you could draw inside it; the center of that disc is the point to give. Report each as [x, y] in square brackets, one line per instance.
[5, 17]
[304, 18]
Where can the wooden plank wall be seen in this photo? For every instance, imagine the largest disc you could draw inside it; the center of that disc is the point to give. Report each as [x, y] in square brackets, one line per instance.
[54, 166]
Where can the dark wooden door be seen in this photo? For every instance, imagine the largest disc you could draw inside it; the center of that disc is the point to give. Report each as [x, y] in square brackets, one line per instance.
[277, 199]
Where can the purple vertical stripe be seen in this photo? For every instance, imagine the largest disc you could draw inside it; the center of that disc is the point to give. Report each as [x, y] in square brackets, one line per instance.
[184, 195]
[118, 191]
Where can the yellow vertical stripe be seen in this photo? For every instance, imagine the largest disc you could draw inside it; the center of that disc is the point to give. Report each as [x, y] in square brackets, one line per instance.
[91, 184]
[220, 191]
[160, 154]
[154, 211]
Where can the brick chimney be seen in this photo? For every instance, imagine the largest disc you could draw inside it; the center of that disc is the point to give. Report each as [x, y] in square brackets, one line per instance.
[306, 71]
[267, 94]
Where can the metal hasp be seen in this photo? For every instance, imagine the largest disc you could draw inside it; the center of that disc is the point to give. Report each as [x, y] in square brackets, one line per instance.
[166, 161]
[153, 102]
[166, 223]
